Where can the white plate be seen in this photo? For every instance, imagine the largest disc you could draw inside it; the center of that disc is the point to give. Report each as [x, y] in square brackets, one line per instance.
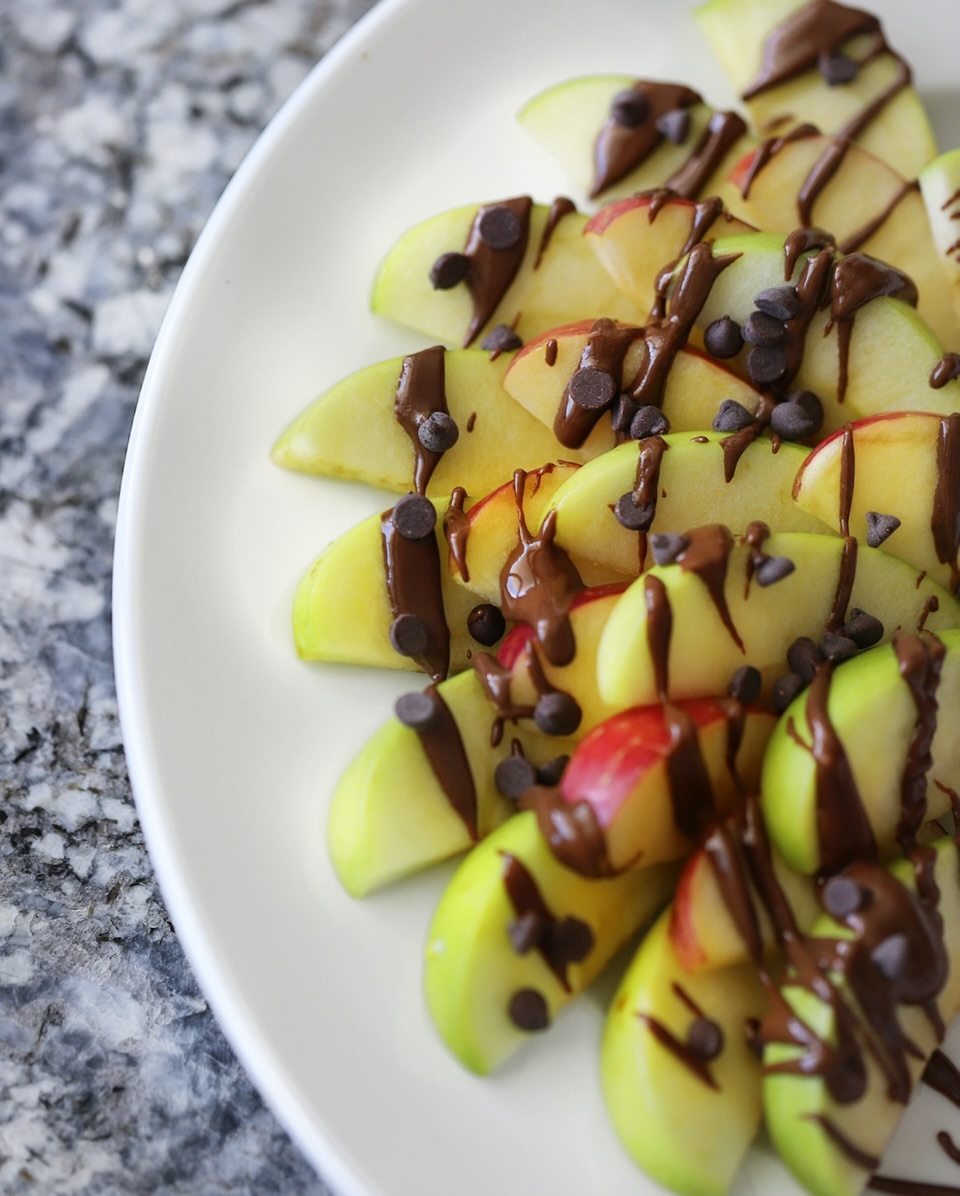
[233, 745]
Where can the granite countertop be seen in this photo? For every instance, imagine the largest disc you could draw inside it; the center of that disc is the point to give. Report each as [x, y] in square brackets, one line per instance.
[121, 123]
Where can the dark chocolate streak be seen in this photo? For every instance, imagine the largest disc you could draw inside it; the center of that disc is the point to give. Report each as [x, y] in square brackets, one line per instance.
[605, 350]
[414, 587]
[527, 901]
[560, 207]
[945, 520]
[619, 149]
[493, 270]
[420, 392]
[684, 1051]
[443, 746]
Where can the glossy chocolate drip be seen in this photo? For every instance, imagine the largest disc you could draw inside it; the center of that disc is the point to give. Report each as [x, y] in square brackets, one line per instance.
[620, 148]
[443, 746]
[492, 270]
[538, 582]
[687, 1051]
[560, 207]
[723, 849]
[920, 660]
[528, 902]
[723, 131]
[414, 588]
[853, 241]
[456, 531]
[737, 443]
[646, 484]
[848, 1148]
[848, 478]
[497, 683]
[801, 241]
[550, 352]
[819, 177]
[856, 124]
[946, 370]
[943, 1076]
[605, 350]
[945, 520]
[708, 555]
[691, 792]
[846, 576]
[571, 830]
[909, 1187]
[948, 1146]
[767, 150]
[659, 632]
[420, 392]
[813, 286]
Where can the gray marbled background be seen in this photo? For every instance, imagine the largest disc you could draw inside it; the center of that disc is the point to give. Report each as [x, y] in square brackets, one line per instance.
[120, 123]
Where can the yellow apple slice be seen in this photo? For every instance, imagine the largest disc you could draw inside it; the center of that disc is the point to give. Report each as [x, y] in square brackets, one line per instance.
[940, 187]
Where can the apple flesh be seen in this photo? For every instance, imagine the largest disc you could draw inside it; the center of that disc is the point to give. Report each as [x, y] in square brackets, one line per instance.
[498, 964]
[940, 188]
[686, 1119]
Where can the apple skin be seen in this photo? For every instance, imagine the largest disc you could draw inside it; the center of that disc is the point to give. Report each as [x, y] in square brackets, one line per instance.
[620, 770]
[692, 490]
[569, 284]
[868, 703]
[703, 655]
[471, 969]
[794, 1105]
[351, 431]
[886, 449]
[636, 237]
[684, 1134]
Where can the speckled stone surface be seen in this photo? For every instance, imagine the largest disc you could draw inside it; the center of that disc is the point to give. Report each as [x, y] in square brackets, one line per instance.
[120, 123]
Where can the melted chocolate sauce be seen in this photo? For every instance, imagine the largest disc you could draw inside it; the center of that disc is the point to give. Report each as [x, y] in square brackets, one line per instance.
[492, 270]
[723, 131]
[946, 370]
[708, 555]
[605, 350]
[571, 831]
[447, 756]
[414, 588]
[528, 902]
[560, 207]
[620, 148]
[420, 392]
[945, 520]
[689, 1050]
[646, 484]
[456, 531]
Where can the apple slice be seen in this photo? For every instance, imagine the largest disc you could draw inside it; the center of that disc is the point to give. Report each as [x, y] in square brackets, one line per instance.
[859, 1014]
[532, 272]
[940, 187]
[355, 602]
[688, 386]
[855, 345]
[636, 237]
[904, 696]
[516, 936]
[648, 780]
[867, 206]
[856, 477]
[358, 428]
[681, 1084]
[615, 135]
[683, 629]
[824, 64]
[684, 479]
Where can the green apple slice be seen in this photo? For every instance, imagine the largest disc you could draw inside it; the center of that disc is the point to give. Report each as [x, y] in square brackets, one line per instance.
[558, 279]
[686, 628]
[567, 118]
[737, 31]
[516, 936]
[867, 701]
[857, 475]
[833, 1145]
[409, 799]
[352, 431]
[940, 188]
[688, 1120]
[687, 481]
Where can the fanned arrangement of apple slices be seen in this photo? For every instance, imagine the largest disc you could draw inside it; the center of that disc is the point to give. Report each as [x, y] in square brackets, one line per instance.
[674, 538]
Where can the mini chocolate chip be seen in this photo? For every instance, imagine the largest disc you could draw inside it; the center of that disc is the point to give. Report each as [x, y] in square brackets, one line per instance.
[501, 339]
[513, 776]
[782, 303]
[528, 1010]
[705, 1038]
[803, 656]
[571, 940]
[630, 108]
[438, 432]
[745, 684]
[550, 772]
[674, 125]
[414, 516]
[766, 364]
[499, 227]
[732, 417]
[865, 630]
[622, 413]
[790, 422]
[649, 421]
[667, 546]
[761, 329]
[486, 624]
[891, 955]
[723, 338]
[785, 689]
[557, 713]
[448, 270]
[880, 527]
[810, 403]
[592, 389]
[837, 647]
[526, 932]
[772, 569]
[417, 710]
[631, 515]
[409, 635]
[842, 896]
[837, 68]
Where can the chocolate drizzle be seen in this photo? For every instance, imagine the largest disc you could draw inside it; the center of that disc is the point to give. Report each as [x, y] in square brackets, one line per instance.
[492, 269]
[552, 936]
[945, 520]
[723, 131]
[703, 1042]
[414, 588]
[447, 756]
[560, 207]
[456, 531]
[620, 148]
[420, 392]
[946, 370]
[605, 350]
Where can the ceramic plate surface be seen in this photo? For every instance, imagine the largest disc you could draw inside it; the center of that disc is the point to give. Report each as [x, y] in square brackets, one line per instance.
[234, 746]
